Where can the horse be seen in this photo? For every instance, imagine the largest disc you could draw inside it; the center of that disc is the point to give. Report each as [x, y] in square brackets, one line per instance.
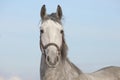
[55, 64]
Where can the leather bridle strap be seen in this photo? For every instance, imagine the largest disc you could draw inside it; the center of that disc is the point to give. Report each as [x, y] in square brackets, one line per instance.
[50, 44]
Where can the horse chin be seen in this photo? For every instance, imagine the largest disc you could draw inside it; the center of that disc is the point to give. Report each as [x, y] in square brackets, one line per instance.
[50, 65]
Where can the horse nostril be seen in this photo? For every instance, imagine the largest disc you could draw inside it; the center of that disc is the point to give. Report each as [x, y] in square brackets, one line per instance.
[57, 58]
[48, 59]
[59, 53]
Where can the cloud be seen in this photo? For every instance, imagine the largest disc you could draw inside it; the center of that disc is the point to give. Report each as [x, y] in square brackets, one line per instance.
[15, 78]
[11, 78]
[1, 78]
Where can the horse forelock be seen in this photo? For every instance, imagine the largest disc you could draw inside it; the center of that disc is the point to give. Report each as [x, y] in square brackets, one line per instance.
[52, 16]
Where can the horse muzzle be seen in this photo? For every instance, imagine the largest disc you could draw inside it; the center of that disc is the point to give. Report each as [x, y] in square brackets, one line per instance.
[52, 54]
[52, 62]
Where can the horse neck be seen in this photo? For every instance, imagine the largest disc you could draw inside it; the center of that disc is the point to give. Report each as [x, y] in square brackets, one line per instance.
[71, 69]
[65, 71]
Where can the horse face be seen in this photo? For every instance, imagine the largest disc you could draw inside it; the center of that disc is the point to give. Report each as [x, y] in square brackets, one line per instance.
[51, 38]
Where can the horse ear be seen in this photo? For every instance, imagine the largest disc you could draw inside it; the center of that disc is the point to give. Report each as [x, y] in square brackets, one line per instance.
[59, 12]
[43, 12]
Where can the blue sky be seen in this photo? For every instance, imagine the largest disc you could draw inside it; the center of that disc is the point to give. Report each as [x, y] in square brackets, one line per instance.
[92, 32]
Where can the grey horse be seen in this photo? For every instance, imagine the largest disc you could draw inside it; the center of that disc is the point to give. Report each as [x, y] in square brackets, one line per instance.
[55, 64]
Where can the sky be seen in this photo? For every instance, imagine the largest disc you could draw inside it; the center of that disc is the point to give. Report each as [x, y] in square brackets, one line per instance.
[92, 33]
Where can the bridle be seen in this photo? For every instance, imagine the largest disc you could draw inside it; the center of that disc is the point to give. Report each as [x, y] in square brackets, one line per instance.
[43, 47]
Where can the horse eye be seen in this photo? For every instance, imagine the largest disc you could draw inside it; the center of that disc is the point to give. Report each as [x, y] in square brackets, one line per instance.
[61, 31]
[41, 31]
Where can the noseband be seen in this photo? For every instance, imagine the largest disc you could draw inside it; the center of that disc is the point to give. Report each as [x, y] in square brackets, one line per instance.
[49, 44]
